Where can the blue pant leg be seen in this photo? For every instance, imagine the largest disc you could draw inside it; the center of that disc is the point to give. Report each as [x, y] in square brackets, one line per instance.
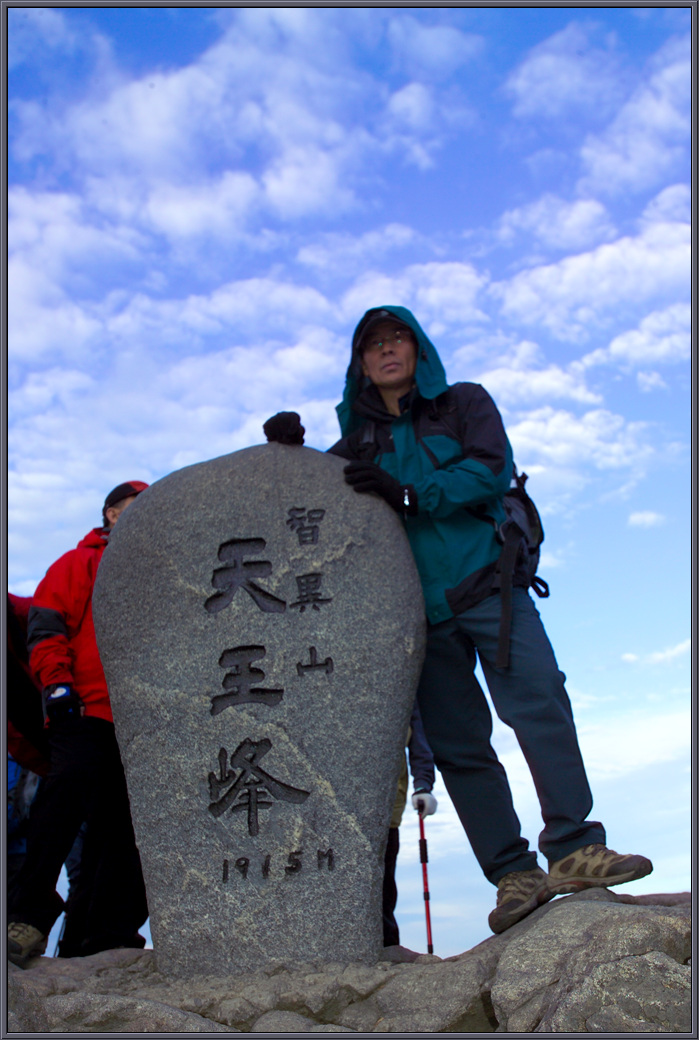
[530, 696]
[458, 725]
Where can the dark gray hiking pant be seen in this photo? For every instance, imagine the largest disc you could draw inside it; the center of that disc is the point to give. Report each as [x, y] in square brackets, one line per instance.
[530, 697]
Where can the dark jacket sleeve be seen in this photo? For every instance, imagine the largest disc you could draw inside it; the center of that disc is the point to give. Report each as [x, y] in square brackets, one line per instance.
[420, 756]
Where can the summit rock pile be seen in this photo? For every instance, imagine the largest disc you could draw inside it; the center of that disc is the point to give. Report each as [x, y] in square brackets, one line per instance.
[595, 962]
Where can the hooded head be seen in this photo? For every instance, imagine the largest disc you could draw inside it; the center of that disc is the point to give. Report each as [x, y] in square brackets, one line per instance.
[430, 377]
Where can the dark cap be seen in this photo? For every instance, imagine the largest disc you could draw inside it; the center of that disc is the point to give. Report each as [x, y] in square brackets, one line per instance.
[131, 487]
[371, 320]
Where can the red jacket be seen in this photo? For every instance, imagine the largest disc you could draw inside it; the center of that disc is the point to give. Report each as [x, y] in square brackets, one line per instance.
[61, 633]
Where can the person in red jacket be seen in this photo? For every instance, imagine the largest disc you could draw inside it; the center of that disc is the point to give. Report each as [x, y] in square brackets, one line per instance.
[86, 780]
[27, 741]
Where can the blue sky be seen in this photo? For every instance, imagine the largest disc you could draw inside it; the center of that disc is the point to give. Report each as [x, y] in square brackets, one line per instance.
[203, 202]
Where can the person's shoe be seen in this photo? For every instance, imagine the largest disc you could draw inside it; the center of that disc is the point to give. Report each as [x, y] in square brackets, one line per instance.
[519, 892]
[24, 941]
[595, 866]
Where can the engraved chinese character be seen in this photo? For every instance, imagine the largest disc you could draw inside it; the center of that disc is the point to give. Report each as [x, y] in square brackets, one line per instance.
[309, 592]
[305, 524]
[237, 574]
[251, 788]
[327, 664]
[238, 682]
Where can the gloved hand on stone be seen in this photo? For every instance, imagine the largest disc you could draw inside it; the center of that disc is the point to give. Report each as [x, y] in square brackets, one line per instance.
[367, 476]
[284, 428]
[425, 803]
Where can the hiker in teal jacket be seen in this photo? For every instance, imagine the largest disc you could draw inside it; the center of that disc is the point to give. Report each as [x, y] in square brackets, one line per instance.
[440, 457]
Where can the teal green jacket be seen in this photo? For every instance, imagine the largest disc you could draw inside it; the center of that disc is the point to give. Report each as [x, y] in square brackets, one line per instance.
[451, 445]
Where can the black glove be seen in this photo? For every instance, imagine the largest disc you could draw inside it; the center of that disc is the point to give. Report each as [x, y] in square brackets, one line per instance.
[367, 476]
[60, 702]
[284, 428]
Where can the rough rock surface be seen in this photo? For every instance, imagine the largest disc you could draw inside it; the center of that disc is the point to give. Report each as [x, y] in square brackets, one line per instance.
[261, 627]
[585, 963]
[540, 969]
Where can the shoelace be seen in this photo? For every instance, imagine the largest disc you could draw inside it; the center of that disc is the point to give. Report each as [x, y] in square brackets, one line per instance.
[523, 885]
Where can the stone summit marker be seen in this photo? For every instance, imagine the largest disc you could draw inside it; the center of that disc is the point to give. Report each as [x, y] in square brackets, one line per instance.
[261, 627]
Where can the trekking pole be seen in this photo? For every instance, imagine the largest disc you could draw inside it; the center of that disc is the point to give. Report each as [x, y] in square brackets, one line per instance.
[425, 886]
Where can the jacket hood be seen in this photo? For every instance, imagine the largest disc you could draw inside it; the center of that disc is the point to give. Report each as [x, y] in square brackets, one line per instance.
[430, 377]
[97, 538]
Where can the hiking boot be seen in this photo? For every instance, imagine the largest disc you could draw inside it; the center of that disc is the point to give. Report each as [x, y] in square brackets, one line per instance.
[519, 893]
[23, 942]
[595, 866]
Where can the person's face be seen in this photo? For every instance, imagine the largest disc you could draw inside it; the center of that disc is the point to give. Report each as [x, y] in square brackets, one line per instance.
[114, 512]
[389, 357]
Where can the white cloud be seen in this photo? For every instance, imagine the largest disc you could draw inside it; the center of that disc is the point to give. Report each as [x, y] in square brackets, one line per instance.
[435, 50]
[36, 30]
[549, 561]
[521, 377]
[53, 231]
[43, 319]
[564, 74]
[274, 114]
[346, 252]
[663, 337]
[306, 180]
[671, 205]
[649, 381]
[624, 745]
[412, 105]
[559, 224]
[257, 306]
[216, 209]
[646, 519]
[42, 389]
[649, 137]
[556, 438]
[238, 111]
[439, 293]
[570, 296]
[672, 653]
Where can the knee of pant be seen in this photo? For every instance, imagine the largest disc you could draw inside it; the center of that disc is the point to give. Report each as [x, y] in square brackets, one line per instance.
[466, 759]
[540, 711]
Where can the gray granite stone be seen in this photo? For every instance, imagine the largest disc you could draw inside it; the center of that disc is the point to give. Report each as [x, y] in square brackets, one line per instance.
[96, 1013]
[261, 627]
[540, 967]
